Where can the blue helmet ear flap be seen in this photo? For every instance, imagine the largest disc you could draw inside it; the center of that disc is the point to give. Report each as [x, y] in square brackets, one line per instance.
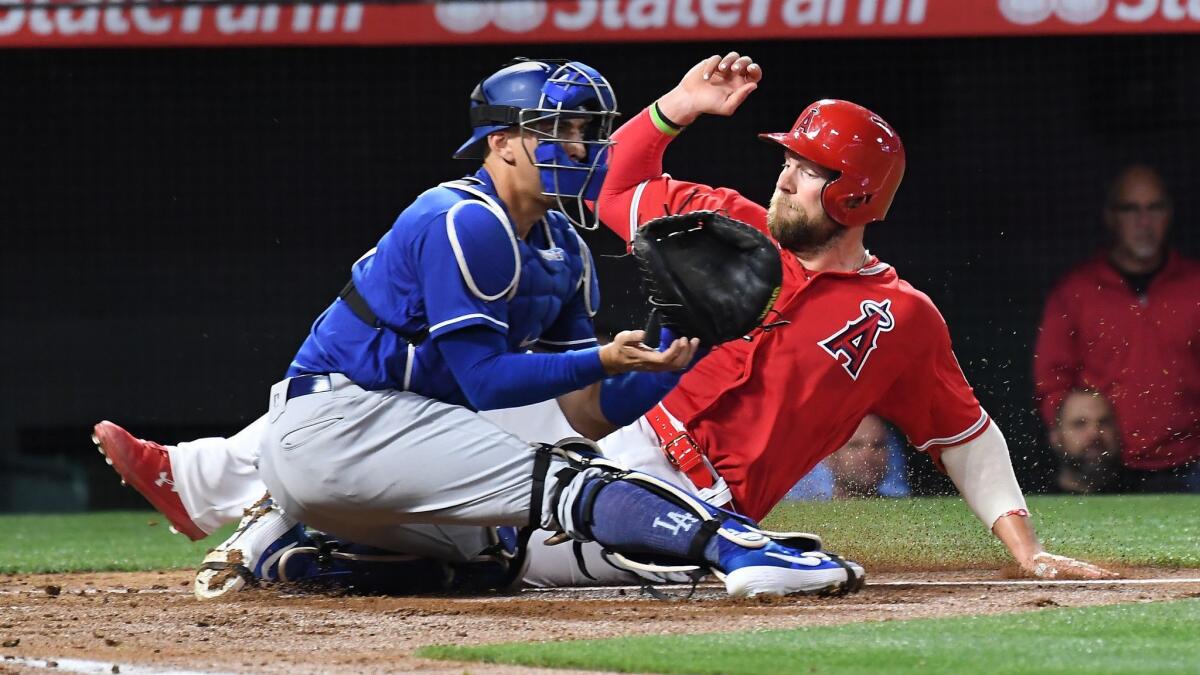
[473, 148]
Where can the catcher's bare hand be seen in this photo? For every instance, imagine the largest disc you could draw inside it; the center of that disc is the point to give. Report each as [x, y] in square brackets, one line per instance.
[717, 85]
[1045, 565]
[627, 352]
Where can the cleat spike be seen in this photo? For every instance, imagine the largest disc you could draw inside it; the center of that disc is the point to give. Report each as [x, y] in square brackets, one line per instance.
[108, 460]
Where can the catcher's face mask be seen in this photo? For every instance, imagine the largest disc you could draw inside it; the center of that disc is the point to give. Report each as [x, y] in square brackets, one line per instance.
[576, 110]
[569, 108]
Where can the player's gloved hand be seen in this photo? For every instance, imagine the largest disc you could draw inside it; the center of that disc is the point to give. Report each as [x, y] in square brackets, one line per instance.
[627, 352]
[1045, 565]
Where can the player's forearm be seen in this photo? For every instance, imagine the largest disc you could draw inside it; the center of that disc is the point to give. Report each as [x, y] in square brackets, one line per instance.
[1016, 533]
[582, 410]
[635, 161]
[493, 378]
[637, 155]
[615, 401]
[982, 471]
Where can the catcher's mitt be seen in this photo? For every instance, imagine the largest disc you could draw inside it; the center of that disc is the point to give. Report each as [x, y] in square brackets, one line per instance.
[708, 275]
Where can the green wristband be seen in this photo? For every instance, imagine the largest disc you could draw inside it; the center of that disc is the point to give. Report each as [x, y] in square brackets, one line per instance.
[662, 122]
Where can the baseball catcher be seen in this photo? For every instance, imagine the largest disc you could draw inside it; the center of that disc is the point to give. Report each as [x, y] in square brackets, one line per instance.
[376, 436]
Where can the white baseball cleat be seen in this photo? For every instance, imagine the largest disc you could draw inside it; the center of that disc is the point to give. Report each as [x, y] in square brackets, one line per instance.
[251, 554]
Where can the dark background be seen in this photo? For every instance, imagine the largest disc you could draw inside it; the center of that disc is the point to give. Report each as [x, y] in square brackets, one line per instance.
[175, 219]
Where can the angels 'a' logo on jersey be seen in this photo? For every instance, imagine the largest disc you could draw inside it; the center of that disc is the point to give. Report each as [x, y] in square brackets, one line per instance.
[855, 342]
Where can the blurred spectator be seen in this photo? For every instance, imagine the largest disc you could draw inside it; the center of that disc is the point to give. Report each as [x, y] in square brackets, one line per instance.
[1127, 324]
[1087, 444]
[870, 464]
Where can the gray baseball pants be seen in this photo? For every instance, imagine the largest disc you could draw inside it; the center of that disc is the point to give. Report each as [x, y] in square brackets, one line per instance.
[397, 470]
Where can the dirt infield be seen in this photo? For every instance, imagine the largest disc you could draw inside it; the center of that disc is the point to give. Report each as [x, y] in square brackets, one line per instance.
[151, 620]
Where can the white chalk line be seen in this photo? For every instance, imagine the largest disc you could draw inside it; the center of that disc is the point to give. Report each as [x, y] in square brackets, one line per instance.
[913, 582]
[87, 666]
[40, 590]
[707, 586]
[1043, 582]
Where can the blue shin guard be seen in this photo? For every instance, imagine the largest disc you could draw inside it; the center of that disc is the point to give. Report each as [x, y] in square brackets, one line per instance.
[649, 526]
[629, 518]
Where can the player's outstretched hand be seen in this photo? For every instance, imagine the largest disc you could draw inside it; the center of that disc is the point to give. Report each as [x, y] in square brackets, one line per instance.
[1049, 566]
[627, 352]
[717, 85]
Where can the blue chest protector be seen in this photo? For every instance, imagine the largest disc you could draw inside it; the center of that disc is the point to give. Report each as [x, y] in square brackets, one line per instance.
[452, 262]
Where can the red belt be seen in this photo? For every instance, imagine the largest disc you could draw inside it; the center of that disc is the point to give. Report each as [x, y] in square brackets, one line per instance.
[681, 451]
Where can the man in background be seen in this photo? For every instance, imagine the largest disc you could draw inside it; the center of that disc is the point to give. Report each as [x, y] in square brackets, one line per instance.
[870, 464]
[1127, 324]
[1087, 444]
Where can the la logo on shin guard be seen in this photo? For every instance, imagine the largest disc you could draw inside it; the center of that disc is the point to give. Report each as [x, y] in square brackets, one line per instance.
[679, 521]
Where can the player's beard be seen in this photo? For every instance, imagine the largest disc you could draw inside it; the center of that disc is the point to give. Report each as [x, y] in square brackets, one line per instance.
[798, 232]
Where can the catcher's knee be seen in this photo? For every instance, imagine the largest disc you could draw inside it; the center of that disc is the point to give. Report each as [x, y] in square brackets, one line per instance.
[574, 489]
[587, 471]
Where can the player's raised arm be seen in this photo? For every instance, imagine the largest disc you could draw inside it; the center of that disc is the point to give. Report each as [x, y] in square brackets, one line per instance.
[636, 189]
[715, 86]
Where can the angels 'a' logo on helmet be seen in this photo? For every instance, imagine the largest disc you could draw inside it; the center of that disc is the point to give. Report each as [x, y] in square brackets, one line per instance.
[805, 121]
[853, 344]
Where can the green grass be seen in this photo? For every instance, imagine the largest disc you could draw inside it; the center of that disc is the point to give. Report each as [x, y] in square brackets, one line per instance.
[1137, 530]
[116, 540]
[923, 533]
[1141, 638]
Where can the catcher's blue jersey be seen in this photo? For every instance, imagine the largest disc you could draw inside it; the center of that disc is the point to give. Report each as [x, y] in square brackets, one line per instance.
[452, 261]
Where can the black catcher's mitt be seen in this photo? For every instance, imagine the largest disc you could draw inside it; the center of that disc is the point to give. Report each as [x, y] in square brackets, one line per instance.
[708, 275]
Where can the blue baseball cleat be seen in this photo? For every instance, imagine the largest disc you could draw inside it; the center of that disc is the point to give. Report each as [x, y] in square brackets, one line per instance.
[759, 566]
[326, 563]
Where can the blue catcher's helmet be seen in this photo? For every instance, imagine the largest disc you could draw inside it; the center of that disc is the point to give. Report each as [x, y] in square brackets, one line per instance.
[535, 97]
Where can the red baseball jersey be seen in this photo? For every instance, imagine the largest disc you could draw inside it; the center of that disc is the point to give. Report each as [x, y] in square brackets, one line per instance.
[837, 346]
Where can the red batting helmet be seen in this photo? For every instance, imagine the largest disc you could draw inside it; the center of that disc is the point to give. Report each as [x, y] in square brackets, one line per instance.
[860, 146]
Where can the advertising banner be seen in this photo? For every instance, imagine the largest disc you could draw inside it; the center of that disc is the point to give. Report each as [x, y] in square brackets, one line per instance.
[133, 23]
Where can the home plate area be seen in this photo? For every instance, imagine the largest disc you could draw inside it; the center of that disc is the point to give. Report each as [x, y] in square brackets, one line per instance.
[150, 620]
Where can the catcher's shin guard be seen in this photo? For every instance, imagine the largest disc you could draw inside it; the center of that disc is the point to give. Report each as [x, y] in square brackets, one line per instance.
[651, 526]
